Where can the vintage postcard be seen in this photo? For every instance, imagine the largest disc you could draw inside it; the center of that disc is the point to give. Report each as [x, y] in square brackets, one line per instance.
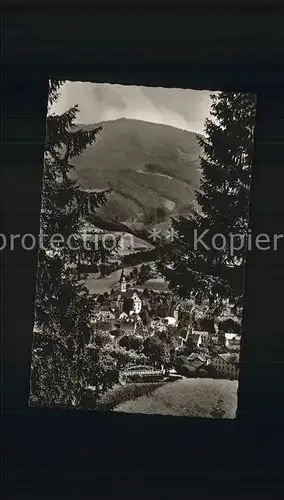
[143, 241]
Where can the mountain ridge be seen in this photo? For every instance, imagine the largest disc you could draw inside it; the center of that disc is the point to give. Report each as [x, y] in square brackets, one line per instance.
[152, 170]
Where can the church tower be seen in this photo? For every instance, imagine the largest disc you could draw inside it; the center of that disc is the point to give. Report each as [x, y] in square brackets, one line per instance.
[122, 282]
[176, 311]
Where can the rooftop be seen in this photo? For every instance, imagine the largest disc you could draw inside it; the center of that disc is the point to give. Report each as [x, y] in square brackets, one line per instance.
[230, 358]
[194, 356]
[37, 328]
[231, 336]
[196, 332]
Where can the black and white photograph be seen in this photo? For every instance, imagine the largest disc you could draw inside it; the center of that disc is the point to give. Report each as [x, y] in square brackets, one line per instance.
[143, 241]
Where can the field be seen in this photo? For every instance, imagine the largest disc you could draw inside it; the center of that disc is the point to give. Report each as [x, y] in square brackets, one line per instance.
[102, 285]
[187, 397]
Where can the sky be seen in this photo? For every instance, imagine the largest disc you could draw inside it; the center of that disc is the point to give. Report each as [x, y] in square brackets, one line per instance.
[181, 108]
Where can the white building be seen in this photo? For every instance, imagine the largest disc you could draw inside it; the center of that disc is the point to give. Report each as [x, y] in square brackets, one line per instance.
[226, 365]
[232, 341]
[170, 321]
[199, 338]
[214, 339]
[137, 303]
[37, 328]
[123, 315]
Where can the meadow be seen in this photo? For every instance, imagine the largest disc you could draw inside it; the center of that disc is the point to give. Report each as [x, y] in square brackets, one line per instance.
[200, 398]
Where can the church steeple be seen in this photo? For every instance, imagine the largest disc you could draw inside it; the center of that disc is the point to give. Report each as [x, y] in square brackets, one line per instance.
[176, 312]
[122, 282]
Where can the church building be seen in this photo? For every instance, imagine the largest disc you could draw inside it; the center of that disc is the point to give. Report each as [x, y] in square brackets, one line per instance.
[122, 295]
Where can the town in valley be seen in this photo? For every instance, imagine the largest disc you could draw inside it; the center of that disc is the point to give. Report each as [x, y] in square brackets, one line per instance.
[170, 337]
[135, 318]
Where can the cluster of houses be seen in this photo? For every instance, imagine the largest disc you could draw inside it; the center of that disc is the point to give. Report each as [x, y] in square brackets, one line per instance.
[225, 365]
[122, 313]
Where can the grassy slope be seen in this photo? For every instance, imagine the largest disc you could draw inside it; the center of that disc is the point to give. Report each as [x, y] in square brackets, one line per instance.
[147, 165]
[119, 394]
[188, 397]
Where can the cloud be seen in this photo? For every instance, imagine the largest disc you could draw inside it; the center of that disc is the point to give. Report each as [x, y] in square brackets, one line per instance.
[185, 109]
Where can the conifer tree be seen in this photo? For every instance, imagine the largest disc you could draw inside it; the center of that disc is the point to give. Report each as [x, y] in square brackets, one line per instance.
[62, 364]
[194, 266]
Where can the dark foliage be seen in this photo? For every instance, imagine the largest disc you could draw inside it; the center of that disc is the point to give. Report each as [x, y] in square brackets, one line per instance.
[63, 366]
[222, 208]
[229, 326]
